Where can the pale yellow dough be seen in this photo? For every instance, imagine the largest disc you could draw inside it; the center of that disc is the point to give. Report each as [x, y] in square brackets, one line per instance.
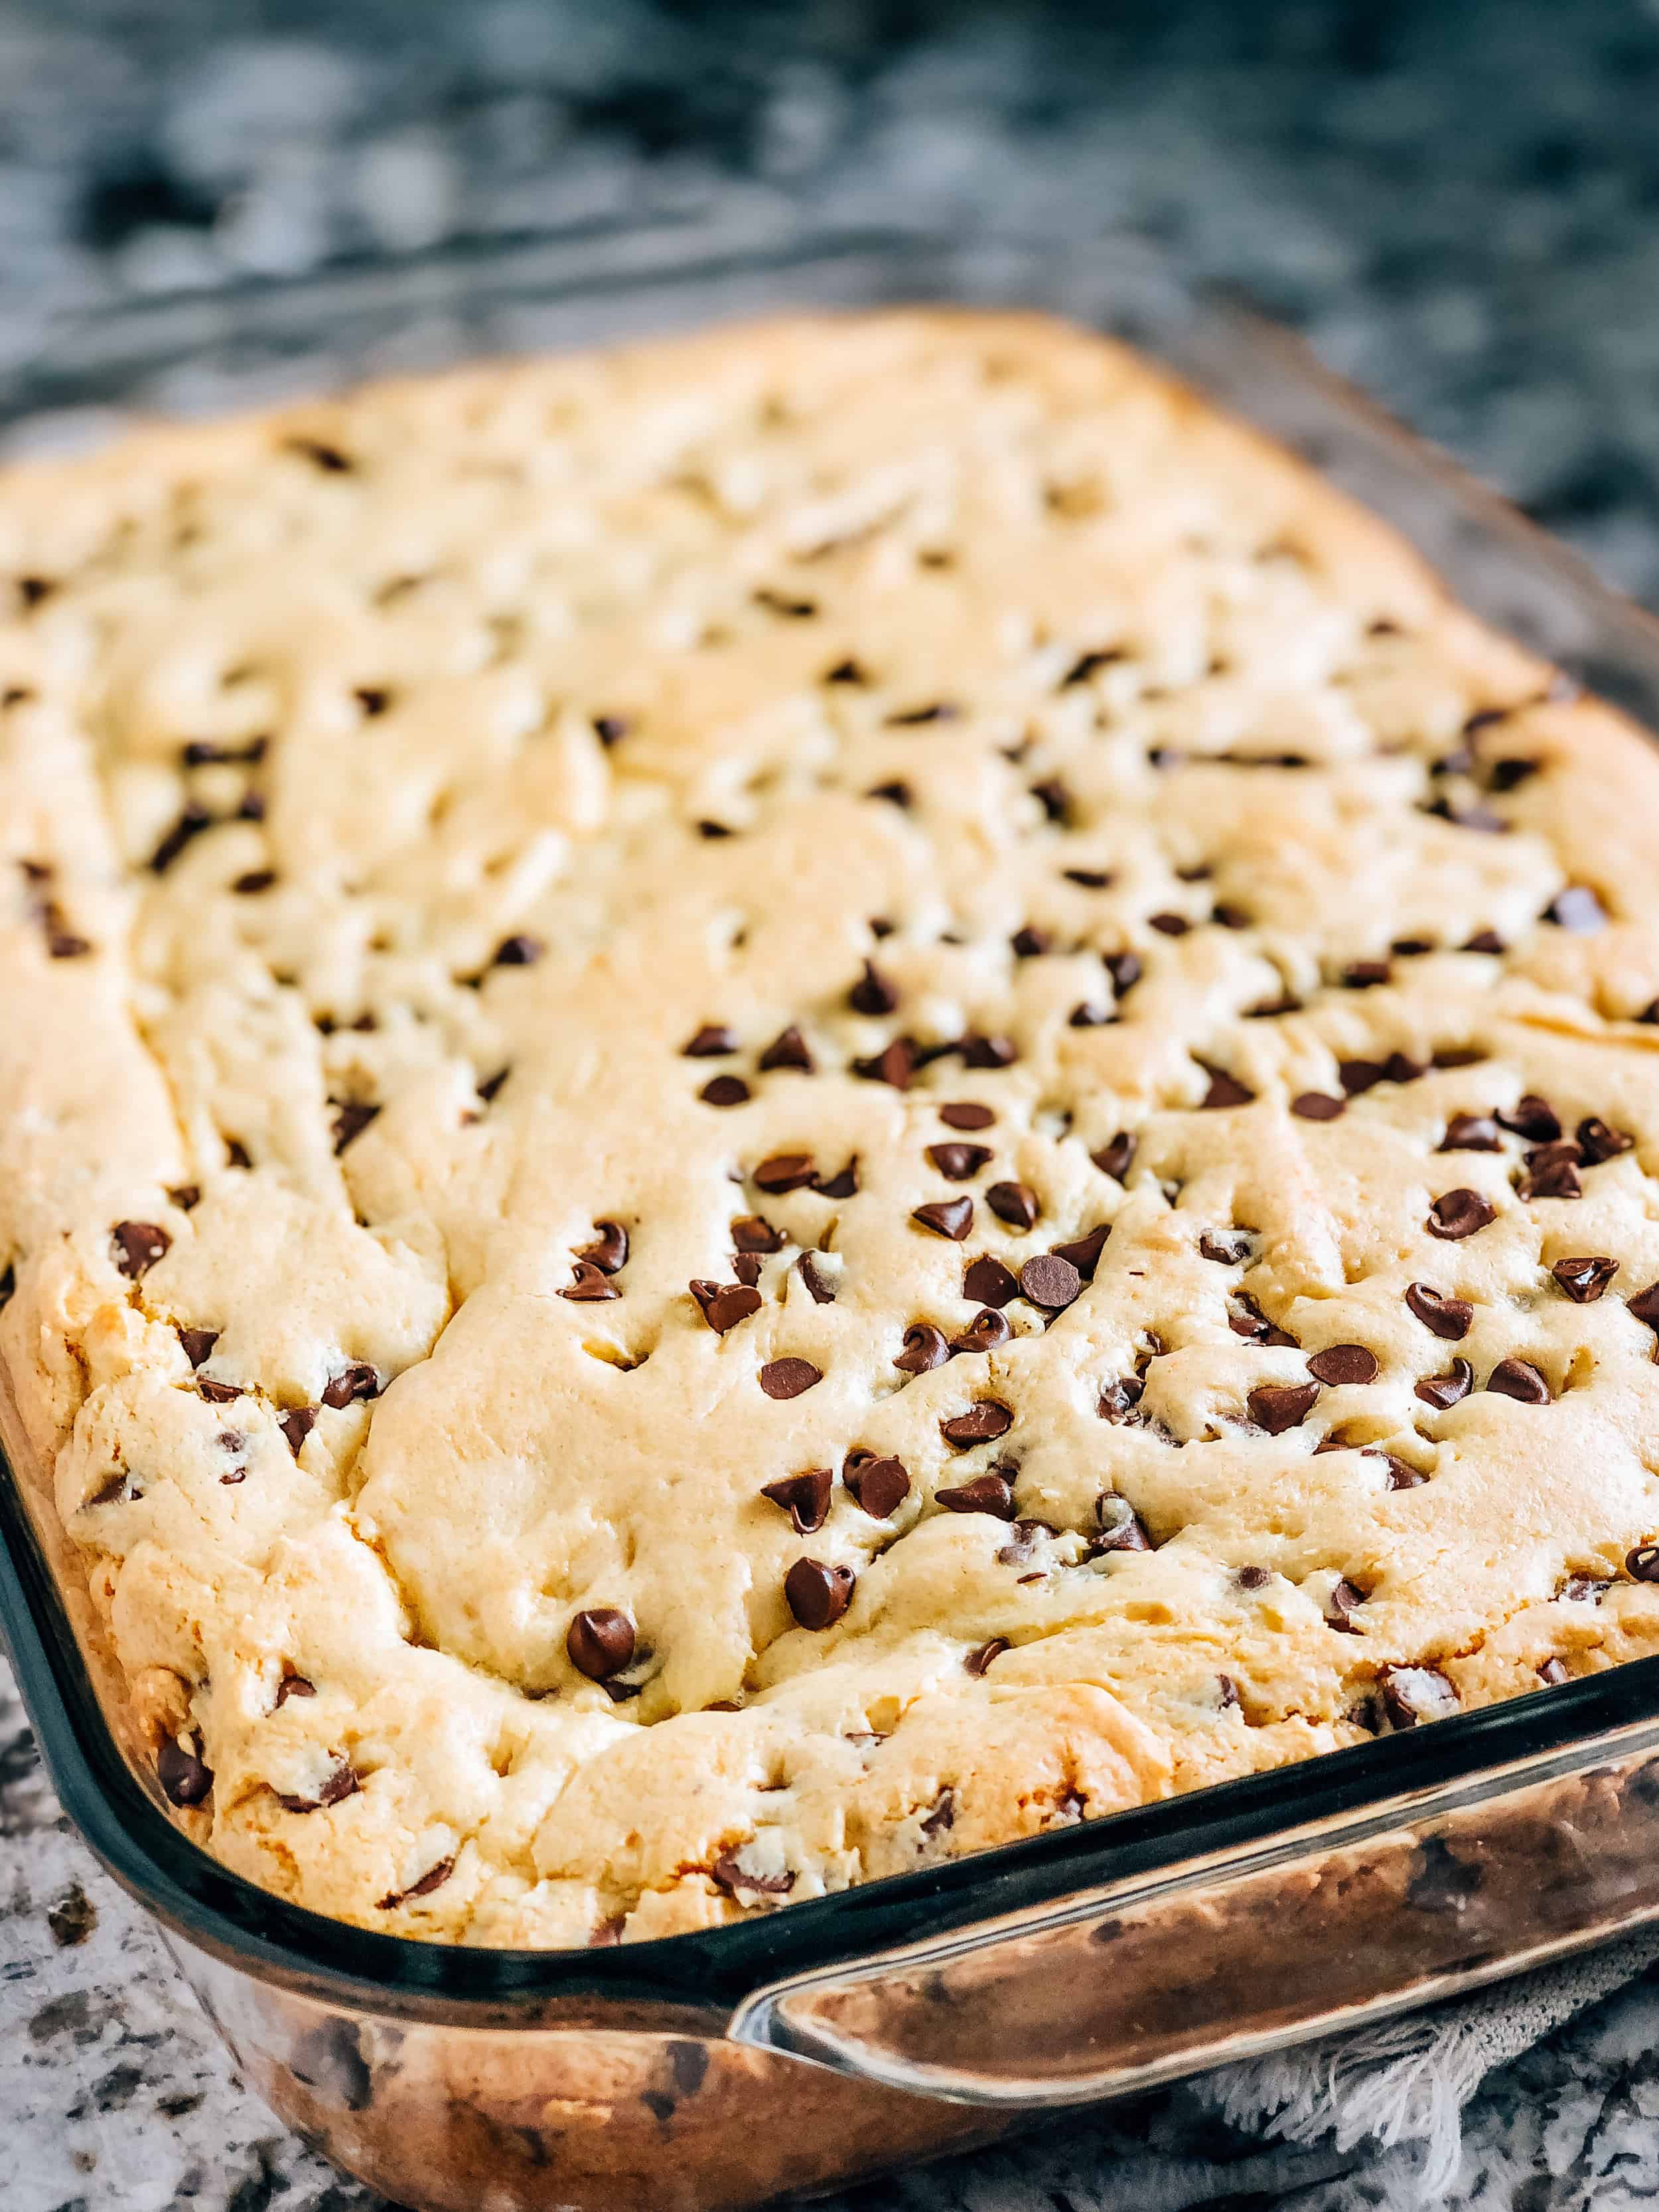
[492, 653]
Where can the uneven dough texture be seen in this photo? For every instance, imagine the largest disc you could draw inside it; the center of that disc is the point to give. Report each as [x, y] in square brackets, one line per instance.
[529, 721]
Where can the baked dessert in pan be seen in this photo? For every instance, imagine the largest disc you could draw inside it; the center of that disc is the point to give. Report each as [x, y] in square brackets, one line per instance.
[794, 1101]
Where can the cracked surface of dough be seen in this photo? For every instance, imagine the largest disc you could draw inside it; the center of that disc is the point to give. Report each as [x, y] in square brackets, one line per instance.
[391, 789]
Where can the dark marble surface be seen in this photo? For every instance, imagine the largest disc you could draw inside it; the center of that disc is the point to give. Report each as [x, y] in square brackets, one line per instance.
[1456, 200]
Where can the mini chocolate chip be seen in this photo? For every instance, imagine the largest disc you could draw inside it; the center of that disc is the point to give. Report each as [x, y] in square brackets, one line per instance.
[1584, 1280]
[724, 1091]
[1576, 907]
[294, 1686]
[198, 1344]
[751, 1233]
[958, 1161]
[1169, 925]
[1551, 1172]
[986, 1494]
[1247, 1320]
[1225, 1090]
[1049, 1281]
[844, 1184]
[1400, 1475]
[350, 1123]
[981, 1659]
[590, 1285]
[1228, 916]
[1505, 776]
[787, 1379]
[785, 1171]
[296, 1425]
[138, 1245]
[1645, 1305]
[1461, 1055]
[1120, 1528]
[1643, 1563]
[1052, 796]
[988, 1283]
[1411, 1694]
[1124, 969]
[1598, 1141]
[1341, 1364]
[218, 1393]
[789, 1049]
[1015, 1203]
[1116, 1158]
[1532, 1118]
[946, 1217]
[746, 1266]
[520, 951]
[1029, 944]
[1412, 948]
[820, 1286]
[1458, 1213]
[601, 1641]
[1344, 1600]
[844, 672]
[988, 1331]
[712, 1041]
[1088, 879]
[490, 1088]
[1365, 975]
[186, 1196]
[1358, 1075]
[715, 829]
[1269, 1009]
[804, 1498]
[1226, 1247]
[1443, 1390]
[988, 1052]
[872, 993]
[1276, 1406]
[1519, 1378]
[609, 1252]
[357, 1380]
[925, 1348]
[1084, 1252]
[1086, 1015]
[724, 1304]
[913, 718]
[1484, 940]
[1253, 1578]
[182, 1775]
[1445, 1317]
[255, 880]
[817, 1594]
[609, 729]
[983, 1423]
[191, 823]
[1471, 1132]
[1317, 1106]
[879, 1486]
[894, 1064]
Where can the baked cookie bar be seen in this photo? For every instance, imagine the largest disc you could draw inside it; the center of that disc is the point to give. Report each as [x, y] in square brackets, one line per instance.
[796, 1100]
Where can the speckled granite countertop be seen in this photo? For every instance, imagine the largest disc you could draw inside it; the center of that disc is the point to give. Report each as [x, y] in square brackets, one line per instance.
[1456, 200]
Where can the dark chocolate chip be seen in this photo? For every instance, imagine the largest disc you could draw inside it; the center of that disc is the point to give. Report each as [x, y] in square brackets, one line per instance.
[988, 1331]
[1228, 1247]
[1519, 1378]
[1598, 1141]
[947, 1217]
[601, 1642]
[1015, 1203]
[913, 718]
[1358, 1075]
[350, 1122]
[590, 1285]
[182, 1777]
[1412, 948]
[925, 1348]
[1276, 1406]
[724, 1304]
[879, 1486]
[785, 1171]
[1645, 1305]
[520, 951]
[816, 1594]
[1087, 664]
[787, 1379]
[491, 1087]
[804, 1498]
[1643, 1563]
[1345, 1599]
[1459, 1214]
[1552, 1672]
[789, 1049]
[724, 1091]
[329, 458]
[986, 1494]
[1341, 1364]
[1577, 908]
[1270, 1009]
[1116, 1158]
[1084, 1252]
[872, 993]
[609, 1251]
[1088, 879]
[191, 823]
[957, 1162]
[609, 729]
[1229, 916]
[988, 1052]
[1056, 800]
[751, 1233]
[255, 880]
[844, 672]
[218, 1393]
[1445, 1317]
[1485, 940]
[1049, 1281]
[1411, 1694]
[712, 1041]
[981, 1659]
[1400, 1475]
[1443, 1390]
[357, 1380]
[1086, 1016]
[1551, 1172]
[136, 1246]
[820, 1285]
[1365, 975]
[197, 1343]
[1225, 1090]
[1120, 1528]
[1119, 1398]
[1532, 1118]
[1169, 925]
[1246, 1319]
[988, 1283]
[296, 1425]
[714, 829]
[894, 1064]
[1584, 1280]
[294, 1686]
[1125, 971]
[844, 1184]
[1029, 944]
[1317, 1106]
[746, 1266]
[981, 1424]
[1471, 1132]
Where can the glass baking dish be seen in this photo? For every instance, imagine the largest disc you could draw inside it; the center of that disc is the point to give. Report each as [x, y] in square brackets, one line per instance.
[935, 2010]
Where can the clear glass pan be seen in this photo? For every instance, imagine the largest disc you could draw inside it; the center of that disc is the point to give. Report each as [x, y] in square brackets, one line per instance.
[933, 2010]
